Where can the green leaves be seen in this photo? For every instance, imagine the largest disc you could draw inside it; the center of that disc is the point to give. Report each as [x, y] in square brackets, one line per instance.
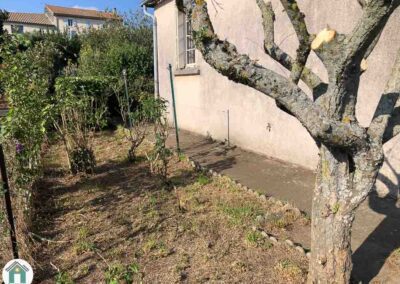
[26, 81]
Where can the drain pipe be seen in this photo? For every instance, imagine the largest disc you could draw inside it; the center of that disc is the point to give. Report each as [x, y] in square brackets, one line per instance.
[155, 49]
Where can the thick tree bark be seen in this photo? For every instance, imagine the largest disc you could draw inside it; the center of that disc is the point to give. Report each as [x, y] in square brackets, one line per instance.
[331, 225]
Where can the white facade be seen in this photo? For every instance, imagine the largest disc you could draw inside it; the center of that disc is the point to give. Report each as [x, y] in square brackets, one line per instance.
[28, 28]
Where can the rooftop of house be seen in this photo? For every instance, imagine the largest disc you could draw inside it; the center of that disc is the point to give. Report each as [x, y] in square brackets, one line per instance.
[29, 18]
[80, 13]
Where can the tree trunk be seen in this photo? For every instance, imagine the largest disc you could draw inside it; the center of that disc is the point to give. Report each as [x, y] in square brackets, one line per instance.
[331, 222]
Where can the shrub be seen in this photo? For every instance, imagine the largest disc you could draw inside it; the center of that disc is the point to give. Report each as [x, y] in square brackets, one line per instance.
[117, 47]
[81, 108]
[160, 154]
[25, 78]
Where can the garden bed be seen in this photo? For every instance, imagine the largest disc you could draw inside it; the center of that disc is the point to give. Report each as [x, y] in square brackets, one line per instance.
[124, 223]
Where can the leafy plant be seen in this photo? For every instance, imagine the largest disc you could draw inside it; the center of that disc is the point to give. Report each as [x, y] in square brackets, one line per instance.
[160, 154]
[136, 121]
[118, 273]
[26, 81]
[82, 108]
[63, 278]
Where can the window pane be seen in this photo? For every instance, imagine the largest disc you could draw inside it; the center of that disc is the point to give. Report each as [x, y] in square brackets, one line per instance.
[191, 56]
[189, 27]
[190, 43]
[17, 29]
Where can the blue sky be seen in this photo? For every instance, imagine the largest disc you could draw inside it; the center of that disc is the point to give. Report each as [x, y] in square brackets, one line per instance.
[37, 6]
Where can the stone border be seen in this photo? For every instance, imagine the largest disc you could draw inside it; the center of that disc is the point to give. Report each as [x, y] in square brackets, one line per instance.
[299, 247]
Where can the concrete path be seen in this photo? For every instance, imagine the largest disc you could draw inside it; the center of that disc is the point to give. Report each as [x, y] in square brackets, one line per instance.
[376, 232]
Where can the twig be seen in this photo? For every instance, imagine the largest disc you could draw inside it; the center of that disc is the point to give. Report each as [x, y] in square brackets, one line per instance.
[47, 240]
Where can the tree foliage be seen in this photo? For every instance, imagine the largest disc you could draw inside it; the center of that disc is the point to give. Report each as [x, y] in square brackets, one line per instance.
[120, 46]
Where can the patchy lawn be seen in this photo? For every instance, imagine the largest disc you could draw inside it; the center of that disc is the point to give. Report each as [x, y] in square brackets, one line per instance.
[123, 225]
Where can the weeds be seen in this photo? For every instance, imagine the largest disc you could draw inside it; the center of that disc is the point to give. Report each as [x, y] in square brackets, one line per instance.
[63, 278]
[238, 215]
[256, 239]
[203, 179]
[82, 244]
[289, 270]
[118, 273]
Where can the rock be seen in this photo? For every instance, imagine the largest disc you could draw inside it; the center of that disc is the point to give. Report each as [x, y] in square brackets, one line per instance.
[308, 254]
[273, 239]
[260, 218]
[264, 234]
[263, 197]
[254, 228]
[289, 242]
[300, 249]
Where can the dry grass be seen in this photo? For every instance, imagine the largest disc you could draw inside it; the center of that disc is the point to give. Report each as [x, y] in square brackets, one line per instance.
[123, 224]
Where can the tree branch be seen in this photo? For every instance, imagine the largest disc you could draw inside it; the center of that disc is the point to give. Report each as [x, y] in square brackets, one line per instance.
[307, 76]
[362, 3]
[303, 51]
[223, 57]
[385, 124]
[343, 57]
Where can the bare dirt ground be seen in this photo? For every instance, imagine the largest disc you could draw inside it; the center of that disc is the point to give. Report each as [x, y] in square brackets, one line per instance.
[122, 225]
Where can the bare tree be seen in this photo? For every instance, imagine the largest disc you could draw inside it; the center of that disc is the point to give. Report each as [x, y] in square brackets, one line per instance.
[350, 155]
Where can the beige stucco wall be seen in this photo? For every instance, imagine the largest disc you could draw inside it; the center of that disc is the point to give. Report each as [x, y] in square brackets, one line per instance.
[255, 122]
[27, 28]
[81, 24]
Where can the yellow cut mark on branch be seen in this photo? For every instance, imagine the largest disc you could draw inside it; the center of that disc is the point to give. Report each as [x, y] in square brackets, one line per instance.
[364, 65]
[324, 36]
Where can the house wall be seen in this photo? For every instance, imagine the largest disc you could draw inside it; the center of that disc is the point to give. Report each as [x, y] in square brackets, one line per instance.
[255, 122]
[28, 28]
[81, 24]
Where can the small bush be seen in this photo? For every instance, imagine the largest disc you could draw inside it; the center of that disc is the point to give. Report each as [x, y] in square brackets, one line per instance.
[82, 108]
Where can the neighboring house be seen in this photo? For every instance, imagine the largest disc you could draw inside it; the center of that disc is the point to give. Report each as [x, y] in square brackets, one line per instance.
[62, 19]
[27, 22]
[203, 96]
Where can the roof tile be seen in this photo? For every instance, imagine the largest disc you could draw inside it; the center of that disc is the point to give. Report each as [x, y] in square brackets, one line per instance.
[29, 18]
[82, 13]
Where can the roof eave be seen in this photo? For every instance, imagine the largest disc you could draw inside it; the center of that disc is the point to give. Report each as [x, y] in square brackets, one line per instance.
[149, 3]
[29, 23]
[85, 17]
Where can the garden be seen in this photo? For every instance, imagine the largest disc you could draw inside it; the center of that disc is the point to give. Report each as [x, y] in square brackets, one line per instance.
[93, 192]
[97, 196]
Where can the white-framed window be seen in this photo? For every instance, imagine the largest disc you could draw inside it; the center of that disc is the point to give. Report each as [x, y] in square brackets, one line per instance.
[70, 22]
[186, 47]
[190, 48]
[17, 29]
[88, 24]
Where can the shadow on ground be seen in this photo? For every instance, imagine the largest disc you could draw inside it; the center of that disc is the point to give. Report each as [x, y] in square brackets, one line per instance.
[113, 186]
[371, 256]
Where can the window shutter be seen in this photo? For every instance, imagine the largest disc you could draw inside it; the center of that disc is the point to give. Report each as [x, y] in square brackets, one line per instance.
[181, 40]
